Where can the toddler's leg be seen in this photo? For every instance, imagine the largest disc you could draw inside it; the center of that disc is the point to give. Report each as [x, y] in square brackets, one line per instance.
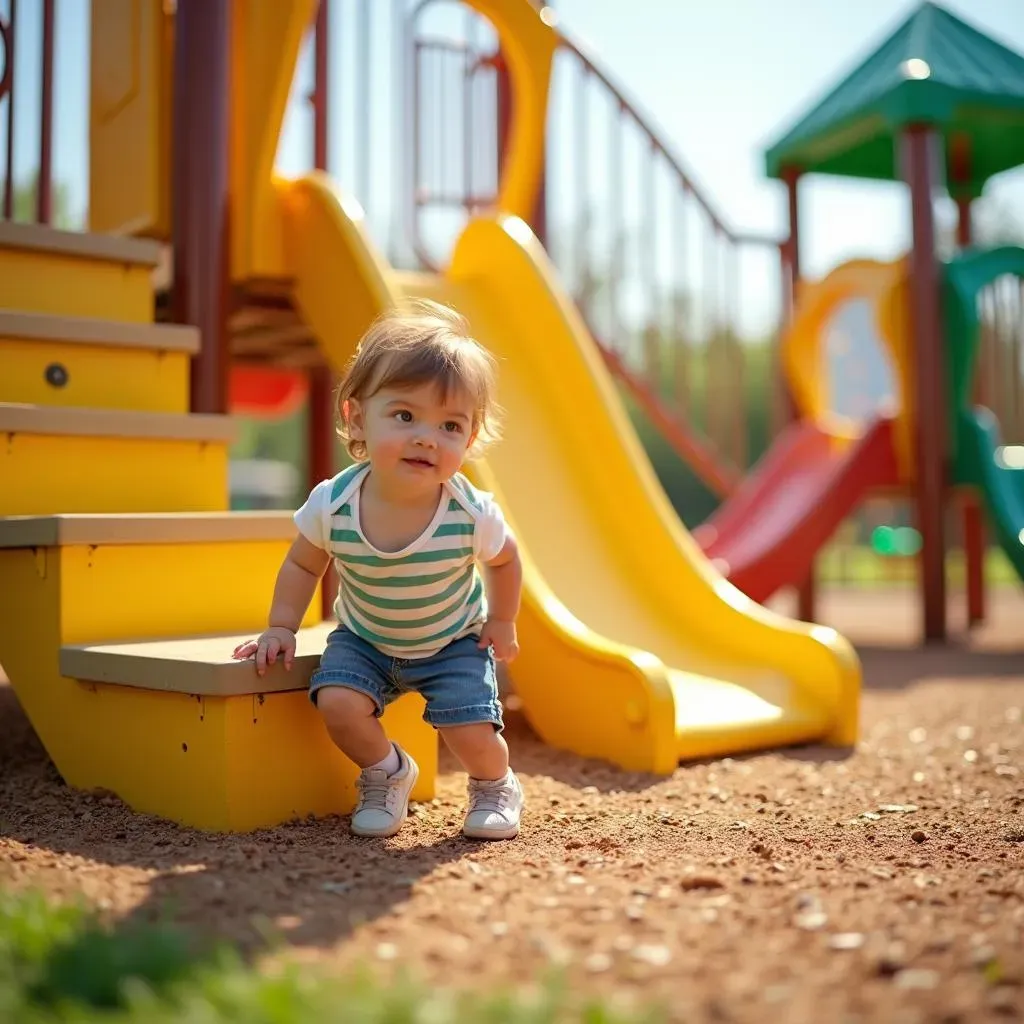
[461, 690]
[353, 725]
[349, 689]
[481, 750]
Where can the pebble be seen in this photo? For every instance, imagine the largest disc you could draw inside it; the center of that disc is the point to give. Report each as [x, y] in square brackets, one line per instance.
[656, 956]
[917, 978]
[597, 963]
[918, 835]
[846, 940]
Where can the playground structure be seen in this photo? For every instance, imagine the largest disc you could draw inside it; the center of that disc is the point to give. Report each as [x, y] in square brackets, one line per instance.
[623, 614]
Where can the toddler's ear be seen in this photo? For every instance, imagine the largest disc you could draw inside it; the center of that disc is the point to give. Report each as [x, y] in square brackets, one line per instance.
[353, 415]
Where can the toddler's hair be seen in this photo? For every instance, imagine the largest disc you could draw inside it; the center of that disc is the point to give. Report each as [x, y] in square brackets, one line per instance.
[423, 342]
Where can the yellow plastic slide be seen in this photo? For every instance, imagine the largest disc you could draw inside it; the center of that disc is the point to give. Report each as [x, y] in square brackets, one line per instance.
[634, 649]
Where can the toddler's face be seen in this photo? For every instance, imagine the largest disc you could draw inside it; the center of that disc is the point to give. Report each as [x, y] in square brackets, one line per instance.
[416, 434]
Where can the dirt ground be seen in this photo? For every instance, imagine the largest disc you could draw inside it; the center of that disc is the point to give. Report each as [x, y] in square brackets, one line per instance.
[880, 884]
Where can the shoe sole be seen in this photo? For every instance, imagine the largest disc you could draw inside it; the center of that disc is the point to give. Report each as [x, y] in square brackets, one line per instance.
[365, 833]
[491, 833]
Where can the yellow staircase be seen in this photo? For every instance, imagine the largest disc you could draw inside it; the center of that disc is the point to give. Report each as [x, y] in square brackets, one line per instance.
[125, 582]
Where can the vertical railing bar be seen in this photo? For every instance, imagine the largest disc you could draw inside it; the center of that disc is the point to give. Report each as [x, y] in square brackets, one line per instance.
[649, 265]
[581, 266]
[44, 182]
[364, 143]
[680, 331]
[616, 139]
[9, 75]
[468, 65]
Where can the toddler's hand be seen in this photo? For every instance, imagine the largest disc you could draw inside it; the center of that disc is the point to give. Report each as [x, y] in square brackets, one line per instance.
[500, 635]
[277, 640]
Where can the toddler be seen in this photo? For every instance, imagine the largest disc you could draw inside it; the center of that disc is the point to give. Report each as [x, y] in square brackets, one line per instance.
[407, 532]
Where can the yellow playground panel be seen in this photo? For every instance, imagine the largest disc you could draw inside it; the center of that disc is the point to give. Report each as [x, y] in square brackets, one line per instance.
[847, 354]
[634, 649]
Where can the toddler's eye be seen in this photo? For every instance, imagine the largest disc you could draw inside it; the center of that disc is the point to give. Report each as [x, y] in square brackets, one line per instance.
[404, 415]
[452, 427]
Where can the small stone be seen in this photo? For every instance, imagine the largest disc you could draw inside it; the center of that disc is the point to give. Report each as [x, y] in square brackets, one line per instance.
[656, 956]
[917, 735]
[1015, 834]
[898, 808]
[970, 756]
[846, 940]
[499, 928]
[386, 951]
[597, 963]
[964, 733]
[635, 912]
[919, 835]
[917, 978]
[811, 920]
[691, 882]
[336, 887]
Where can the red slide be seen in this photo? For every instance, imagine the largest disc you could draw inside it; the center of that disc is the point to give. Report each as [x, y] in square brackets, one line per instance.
[766, 535]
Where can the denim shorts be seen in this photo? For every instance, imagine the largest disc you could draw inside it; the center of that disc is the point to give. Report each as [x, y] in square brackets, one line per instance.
[459, 682]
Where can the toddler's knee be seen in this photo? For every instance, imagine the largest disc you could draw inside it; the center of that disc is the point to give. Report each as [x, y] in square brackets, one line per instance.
[339, 704]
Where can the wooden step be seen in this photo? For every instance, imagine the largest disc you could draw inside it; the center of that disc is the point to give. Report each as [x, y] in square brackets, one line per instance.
[109, 460]
[199, 665]
[69, 273]
[85, 361]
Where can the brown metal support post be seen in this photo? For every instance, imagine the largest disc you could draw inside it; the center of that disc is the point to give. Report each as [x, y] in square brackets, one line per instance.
[973, 523]
[806, 592]
[44, 183]
[918, 144]
[320, 439]
[200, 191]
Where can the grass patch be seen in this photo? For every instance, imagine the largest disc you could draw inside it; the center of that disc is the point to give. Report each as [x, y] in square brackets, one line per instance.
[61, 963]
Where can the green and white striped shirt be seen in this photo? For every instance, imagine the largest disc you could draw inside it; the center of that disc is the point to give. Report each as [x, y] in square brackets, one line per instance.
[413, 602]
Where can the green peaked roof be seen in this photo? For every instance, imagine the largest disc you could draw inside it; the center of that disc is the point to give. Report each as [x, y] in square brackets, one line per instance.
[934, 68]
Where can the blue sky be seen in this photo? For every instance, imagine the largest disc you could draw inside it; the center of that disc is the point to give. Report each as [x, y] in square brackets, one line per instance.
[720, 79]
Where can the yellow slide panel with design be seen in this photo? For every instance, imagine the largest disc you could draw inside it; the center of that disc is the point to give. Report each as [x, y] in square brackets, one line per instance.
[634, 649]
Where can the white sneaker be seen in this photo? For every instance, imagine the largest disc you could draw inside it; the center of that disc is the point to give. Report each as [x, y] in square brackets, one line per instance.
[384, 799]
[494, 808]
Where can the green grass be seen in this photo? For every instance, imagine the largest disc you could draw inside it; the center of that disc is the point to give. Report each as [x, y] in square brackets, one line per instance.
[60, 963]
[859, 566]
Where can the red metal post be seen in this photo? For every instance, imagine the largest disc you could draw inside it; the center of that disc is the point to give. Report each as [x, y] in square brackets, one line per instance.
[973, 523]
[44, 183]
[918, 144]
[807, 591]
[320, 439]
[200, 191]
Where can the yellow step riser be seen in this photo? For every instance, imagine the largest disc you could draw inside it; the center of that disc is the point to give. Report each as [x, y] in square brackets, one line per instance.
[141, 591]
[65, 286]
[96, 376]
[43, 474]
[224, 764]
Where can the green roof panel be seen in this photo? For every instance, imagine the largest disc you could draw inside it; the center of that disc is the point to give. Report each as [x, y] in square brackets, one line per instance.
[934, 68]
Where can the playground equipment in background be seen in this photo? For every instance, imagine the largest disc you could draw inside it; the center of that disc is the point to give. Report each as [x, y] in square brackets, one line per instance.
[848, 357]
[936, 100]
[633, 648]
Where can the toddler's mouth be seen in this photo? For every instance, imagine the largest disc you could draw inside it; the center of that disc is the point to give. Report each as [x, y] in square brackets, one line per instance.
[420, 463]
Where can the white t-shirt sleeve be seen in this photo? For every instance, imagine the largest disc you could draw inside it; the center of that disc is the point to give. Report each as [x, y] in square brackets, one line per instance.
[312, 519]
[490, 532]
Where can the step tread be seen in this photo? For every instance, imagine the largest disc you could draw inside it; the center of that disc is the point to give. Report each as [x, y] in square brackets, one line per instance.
[138, 251]
[200, 665]
[81, 421]
[66, 530]
[96, 331]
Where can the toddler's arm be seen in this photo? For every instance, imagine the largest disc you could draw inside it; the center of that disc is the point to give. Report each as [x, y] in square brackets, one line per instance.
[297, 578]
[504, 582]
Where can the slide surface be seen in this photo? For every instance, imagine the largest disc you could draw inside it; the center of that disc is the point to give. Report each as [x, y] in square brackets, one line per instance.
[1002, 485]
[766, 535]
[633, 648]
